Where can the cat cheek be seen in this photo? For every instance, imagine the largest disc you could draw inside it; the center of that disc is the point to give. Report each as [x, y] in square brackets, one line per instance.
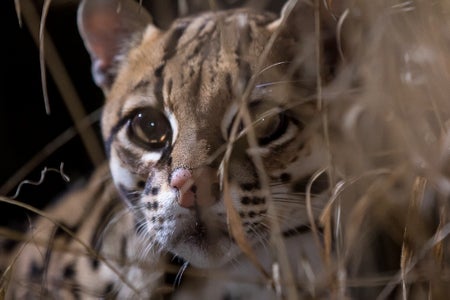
[121, 175]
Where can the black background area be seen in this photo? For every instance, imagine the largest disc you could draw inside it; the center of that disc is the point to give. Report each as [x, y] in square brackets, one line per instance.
[25, 128]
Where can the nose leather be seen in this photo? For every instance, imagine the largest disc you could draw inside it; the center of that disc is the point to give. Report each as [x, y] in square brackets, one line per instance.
[182, 180]
[194, 187]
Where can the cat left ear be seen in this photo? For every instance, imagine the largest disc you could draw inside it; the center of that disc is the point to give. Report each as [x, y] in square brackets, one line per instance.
[298, 16]
[106, 27]
[297, 22]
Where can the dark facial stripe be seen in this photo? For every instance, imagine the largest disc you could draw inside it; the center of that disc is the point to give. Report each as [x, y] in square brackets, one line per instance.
[165, 159]
[141, 85]
[169, 51]
[172, 42]
[109, 140]
[198, 81]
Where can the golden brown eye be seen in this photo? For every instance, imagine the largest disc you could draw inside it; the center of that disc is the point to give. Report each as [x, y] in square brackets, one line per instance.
[150, 129]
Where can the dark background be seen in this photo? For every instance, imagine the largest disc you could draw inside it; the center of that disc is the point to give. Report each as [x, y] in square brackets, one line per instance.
[25, 128]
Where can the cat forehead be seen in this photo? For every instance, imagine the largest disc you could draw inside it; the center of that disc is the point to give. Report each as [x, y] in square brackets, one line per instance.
[212, 40]
[195, 60]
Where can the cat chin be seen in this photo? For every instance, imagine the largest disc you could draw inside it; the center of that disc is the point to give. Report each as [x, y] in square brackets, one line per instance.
[203, 252]
[211, 258]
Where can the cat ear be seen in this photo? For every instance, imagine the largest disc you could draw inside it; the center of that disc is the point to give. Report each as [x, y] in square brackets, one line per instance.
[106, 27]
[297, 23]
[298, 16]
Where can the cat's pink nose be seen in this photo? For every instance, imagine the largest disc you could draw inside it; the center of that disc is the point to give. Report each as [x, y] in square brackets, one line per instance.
[197, 188]
[182, 181]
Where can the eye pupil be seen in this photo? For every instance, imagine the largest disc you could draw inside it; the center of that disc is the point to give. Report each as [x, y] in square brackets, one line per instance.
[150, 129]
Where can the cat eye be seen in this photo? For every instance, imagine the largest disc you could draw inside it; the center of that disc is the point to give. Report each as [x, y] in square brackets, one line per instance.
[270, 127]
[150, 129]
[268, 122]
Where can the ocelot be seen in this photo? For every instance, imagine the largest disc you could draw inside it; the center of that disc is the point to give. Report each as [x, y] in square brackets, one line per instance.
[213, 135]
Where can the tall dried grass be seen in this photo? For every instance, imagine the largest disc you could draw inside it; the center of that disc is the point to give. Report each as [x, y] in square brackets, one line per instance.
[385, 120]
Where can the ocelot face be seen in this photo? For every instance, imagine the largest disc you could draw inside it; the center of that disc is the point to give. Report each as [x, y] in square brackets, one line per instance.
[175, 105]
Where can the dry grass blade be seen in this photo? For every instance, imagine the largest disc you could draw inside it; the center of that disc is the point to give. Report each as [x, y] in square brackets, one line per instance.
[318, 54]
[319, 91]
[4, 279]
[406, 252]
[309, 209]
[18, 12]
[440, 248]
[339, 34]
[45, 9]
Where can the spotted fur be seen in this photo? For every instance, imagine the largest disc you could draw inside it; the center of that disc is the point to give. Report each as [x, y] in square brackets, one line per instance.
[174, 103]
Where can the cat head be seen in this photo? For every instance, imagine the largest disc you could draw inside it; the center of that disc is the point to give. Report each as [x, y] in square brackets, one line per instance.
[222, 96]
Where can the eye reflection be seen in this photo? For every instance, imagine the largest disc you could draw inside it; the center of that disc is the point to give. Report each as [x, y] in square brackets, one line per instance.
[149, 128]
